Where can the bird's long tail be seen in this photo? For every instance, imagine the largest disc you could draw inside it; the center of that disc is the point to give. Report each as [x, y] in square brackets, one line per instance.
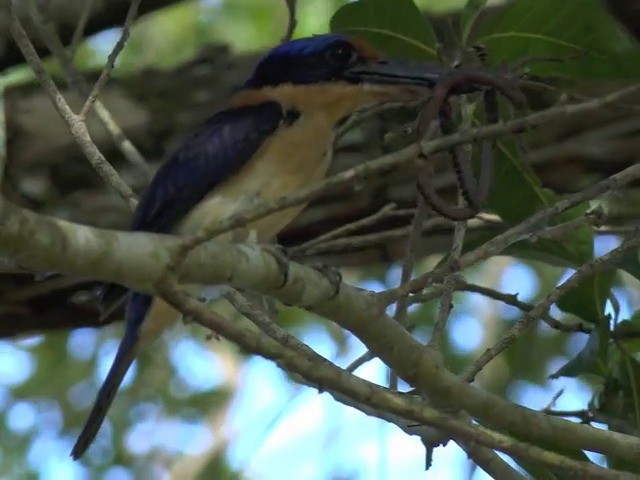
[124, 358]
[137, 308]
[146, 319]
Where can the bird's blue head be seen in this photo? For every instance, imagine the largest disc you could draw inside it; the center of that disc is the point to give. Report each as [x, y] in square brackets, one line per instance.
[334, 58]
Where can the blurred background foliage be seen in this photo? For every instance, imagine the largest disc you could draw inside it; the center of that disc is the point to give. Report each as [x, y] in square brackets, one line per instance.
[195, 407]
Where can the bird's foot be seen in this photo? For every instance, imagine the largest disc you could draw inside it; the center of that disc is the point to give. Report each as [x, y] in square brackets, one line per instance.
[333, 276]
[279, 253]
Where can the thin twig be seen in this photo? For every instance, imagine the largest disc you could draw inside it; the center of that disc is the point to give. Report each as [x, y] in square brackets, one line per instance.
[262, 320]
[594, 416]
[367, 113]
[378, 238]
[410, 255]
[76, 125]
[506, 298]
[411, 246]
[361, 360]
[132, 13]
[78, 33]
[460, 228]
[3, 136]
[444, 310]
[592, 218]
[587, 269]
[408, 156]
[116, 256]
[127, 148]
[353, 390]
[512, 299]
[76, 80]
[345, 230]
[554, 399]
[292, 22]
[505, 239]
[402, 307]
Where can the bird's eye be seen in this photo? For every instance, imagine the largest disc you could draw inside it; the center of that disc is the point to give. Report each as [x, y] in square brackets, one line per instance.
[342, 55]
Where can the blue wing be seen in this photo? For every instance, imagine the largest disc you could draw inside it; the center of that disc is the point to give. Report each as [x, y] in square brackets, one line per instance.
[207, 157]
[212, 153]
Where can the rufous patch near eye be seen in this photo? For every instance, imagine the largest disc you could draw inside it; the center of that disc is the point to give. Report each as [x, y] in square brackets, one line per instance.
[365, 49]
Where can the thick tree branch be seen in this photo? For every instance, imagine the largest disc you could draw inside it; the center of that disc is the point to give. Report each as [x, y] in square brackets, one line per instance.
[140, 260]
[148, 258]
[296, 357]
[74, 190]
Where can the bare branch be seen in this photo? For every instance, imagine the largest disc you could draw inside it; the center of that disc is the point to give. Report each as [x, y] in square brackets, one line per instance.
[294, 356]
[402, 306]
[111, 59]
[505, 239]
[75, 79]
[379, 238]
[3, 135]
[140, 260]
[512, 299]
[292, 22]
[604, 262]
[407, 157]
[361, 360]
[104, 15]
[460, 228]
[76, 125]
[362, 116]
[114, 256]
[78, 33]
[349, 228]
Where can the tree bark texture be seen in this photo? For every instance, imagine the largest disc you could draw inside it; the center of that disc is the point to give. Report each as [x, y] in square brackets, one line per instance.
[47, 172]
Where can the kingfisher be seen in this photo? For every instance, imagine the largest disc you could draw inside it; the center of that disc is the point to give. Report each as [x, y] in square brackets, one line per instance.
[272, 138]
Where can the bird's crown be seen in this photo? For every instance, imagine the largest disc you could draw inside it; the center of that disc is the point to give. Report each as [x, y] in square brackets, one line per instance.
[316, 59]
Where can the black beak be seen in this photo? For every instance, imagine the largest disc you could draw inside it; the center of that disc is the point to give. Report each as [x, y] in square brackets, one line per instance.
[400, 72]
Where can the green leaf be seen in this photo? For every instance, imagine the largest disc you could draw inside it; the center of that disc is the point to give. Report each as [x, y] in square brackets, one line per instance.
[517, 194]
[591, 359]
[468, 17]
[589, 298]
[571, 28]
[396, 27]
[568, 254]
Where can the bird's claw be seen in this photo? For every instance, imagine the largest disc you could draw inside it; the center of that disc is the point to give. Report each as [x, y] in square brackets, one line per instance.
[279, 253]
[333, 276]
